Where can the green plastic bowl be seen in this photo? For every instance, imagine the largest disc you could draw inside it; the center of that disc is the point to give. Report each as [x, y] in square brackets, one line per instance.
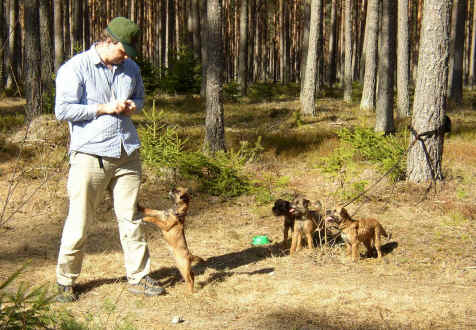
[260, 240]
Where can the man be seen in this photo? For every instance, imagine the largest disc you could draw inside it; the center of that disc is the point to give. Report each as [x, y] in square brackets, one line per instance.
[96, 92]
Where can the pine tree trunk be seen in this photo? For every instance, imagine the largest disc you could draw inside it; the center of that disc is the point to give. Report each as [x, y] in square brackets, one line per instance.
[86, 26]
[320, 47]
[367, 103]
[3, 36]
[309, 91]
[243, 72]
[425, 156]
[403, 61]
[386, 70]
[11, 64]
[472, 65]
[196, 28]
[332, 72]
[306, 14]
[348, 73]
[32, 59]
[66, 28]
[214, 121]
[204, 49]
[455, 74]
[46, 32]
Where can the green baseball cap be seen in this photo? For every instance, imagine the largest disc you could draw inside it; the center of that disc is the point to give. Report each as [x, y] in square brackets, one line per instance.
[126, 32]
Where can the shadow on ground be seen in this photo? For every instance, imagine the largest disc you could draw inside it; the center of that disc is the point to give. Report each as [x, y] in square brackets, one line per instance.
[169, 276]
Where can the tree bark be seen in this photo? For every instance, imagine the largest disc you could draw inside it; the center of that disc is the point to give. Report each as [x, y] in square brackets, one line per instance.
[332, 71]
[204, 49]
[196, 28]
[243, 71]
[348, 73]
[46, 44]
[3, 36]
[59, 44]
[386, 70]
[214, 122]
[11, 63]
[306, 14]
[425, 156]
[309, 91]
[32, 59]
[455, 78]
[403, 61]
[367, 103]
[472, 65]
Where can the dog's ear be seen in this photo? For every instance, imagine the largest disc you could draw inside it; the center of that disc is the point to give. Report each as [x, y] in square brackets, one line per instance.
[318, 206]
[185, 197]
[344, 214]
[306, 203]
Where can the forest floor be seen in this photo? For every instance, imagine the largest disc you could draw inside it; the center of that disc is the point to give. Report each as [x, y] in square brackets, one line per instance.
[425, 280]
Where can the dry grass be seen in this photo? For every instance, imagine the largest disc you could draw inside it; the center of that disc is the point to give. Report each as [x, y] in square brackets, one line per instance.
[425, 280]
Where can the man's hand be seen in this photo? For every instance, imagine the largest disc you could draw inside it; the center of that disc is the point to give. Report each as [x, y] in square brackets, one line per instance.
[130, 107]
[117, 107]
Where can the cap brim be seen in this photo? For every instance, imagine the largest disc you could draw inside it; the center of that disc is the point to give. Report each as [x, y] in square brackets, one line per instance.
[130, 51]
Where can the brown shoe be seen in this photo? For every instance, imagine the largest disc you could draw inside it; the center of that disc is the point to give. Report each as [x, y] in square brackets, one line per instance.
[147, 286]
[65, 294]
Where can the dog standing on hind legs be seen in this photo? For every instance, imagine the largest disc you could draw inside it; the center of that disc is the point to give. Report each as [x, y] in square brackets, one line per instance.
[353, 232]
[171, 222]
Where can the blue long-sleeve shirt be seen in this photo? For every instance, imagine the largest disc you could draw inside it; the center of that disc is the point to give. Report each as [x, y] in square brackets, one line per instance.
[84, 82]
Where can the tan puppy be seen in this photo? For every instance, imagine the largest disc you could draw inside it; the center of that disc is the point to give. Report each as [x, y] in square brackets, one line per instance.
[171, 222]
[305, 223]
[353, 232]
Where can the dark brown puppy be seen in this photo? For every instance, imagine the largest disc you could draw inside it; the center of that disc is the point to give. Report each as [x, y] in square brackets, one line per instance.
[283, 208]
[353, 232]
[171, 222]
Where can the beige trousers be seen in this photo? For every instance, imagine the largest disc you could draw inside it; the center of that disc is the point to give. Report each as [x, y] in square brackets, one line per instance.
[87, 183]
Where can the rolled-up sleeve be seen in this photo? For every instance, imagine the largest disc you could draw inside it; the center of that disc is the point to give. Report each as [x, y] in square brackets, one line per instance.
[69, 92]
[138, 95]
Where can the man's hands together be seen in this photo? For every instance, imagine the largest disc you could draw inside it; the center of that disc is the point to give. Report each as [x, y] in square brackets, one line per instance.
[126, 108]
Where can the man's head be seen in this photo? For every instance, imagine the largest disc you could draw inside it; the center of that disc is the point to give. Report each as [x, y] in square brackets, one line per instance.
[126, 32]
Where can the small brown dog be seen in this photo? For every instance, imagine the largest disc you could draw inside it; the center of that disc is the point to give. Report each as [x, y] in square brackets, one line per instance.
[171, 222]
[283, 208]
[353, 232]
[306, 222]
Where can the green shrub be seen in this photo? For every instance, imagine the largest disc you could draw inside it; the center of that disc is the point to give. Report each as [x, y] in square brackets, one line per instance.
[385, 151]
[162, 148]
[150, 75]
[25, 308]
[231, 91]
[9, 122]
[183, 75]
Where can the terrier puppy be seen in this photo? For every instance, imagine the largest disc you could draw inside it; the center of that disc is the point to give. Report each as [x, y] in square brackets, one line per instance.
[354, 232]
[306, 222]
[171, 222]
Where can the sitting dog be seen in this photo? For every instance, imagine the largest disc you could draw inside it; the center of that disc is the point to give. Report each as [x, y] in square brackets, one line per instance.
[353, 232]
[283, 208]
[171, 222]
[306, 222]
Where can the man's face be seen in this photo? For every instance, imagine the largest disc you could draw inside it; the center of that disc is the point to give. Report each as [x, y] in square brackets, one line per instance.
[116, 54]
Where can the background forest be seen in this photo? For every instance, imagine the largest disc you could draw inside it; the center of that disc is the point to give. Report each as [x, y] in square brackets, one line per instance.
[366, 102]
